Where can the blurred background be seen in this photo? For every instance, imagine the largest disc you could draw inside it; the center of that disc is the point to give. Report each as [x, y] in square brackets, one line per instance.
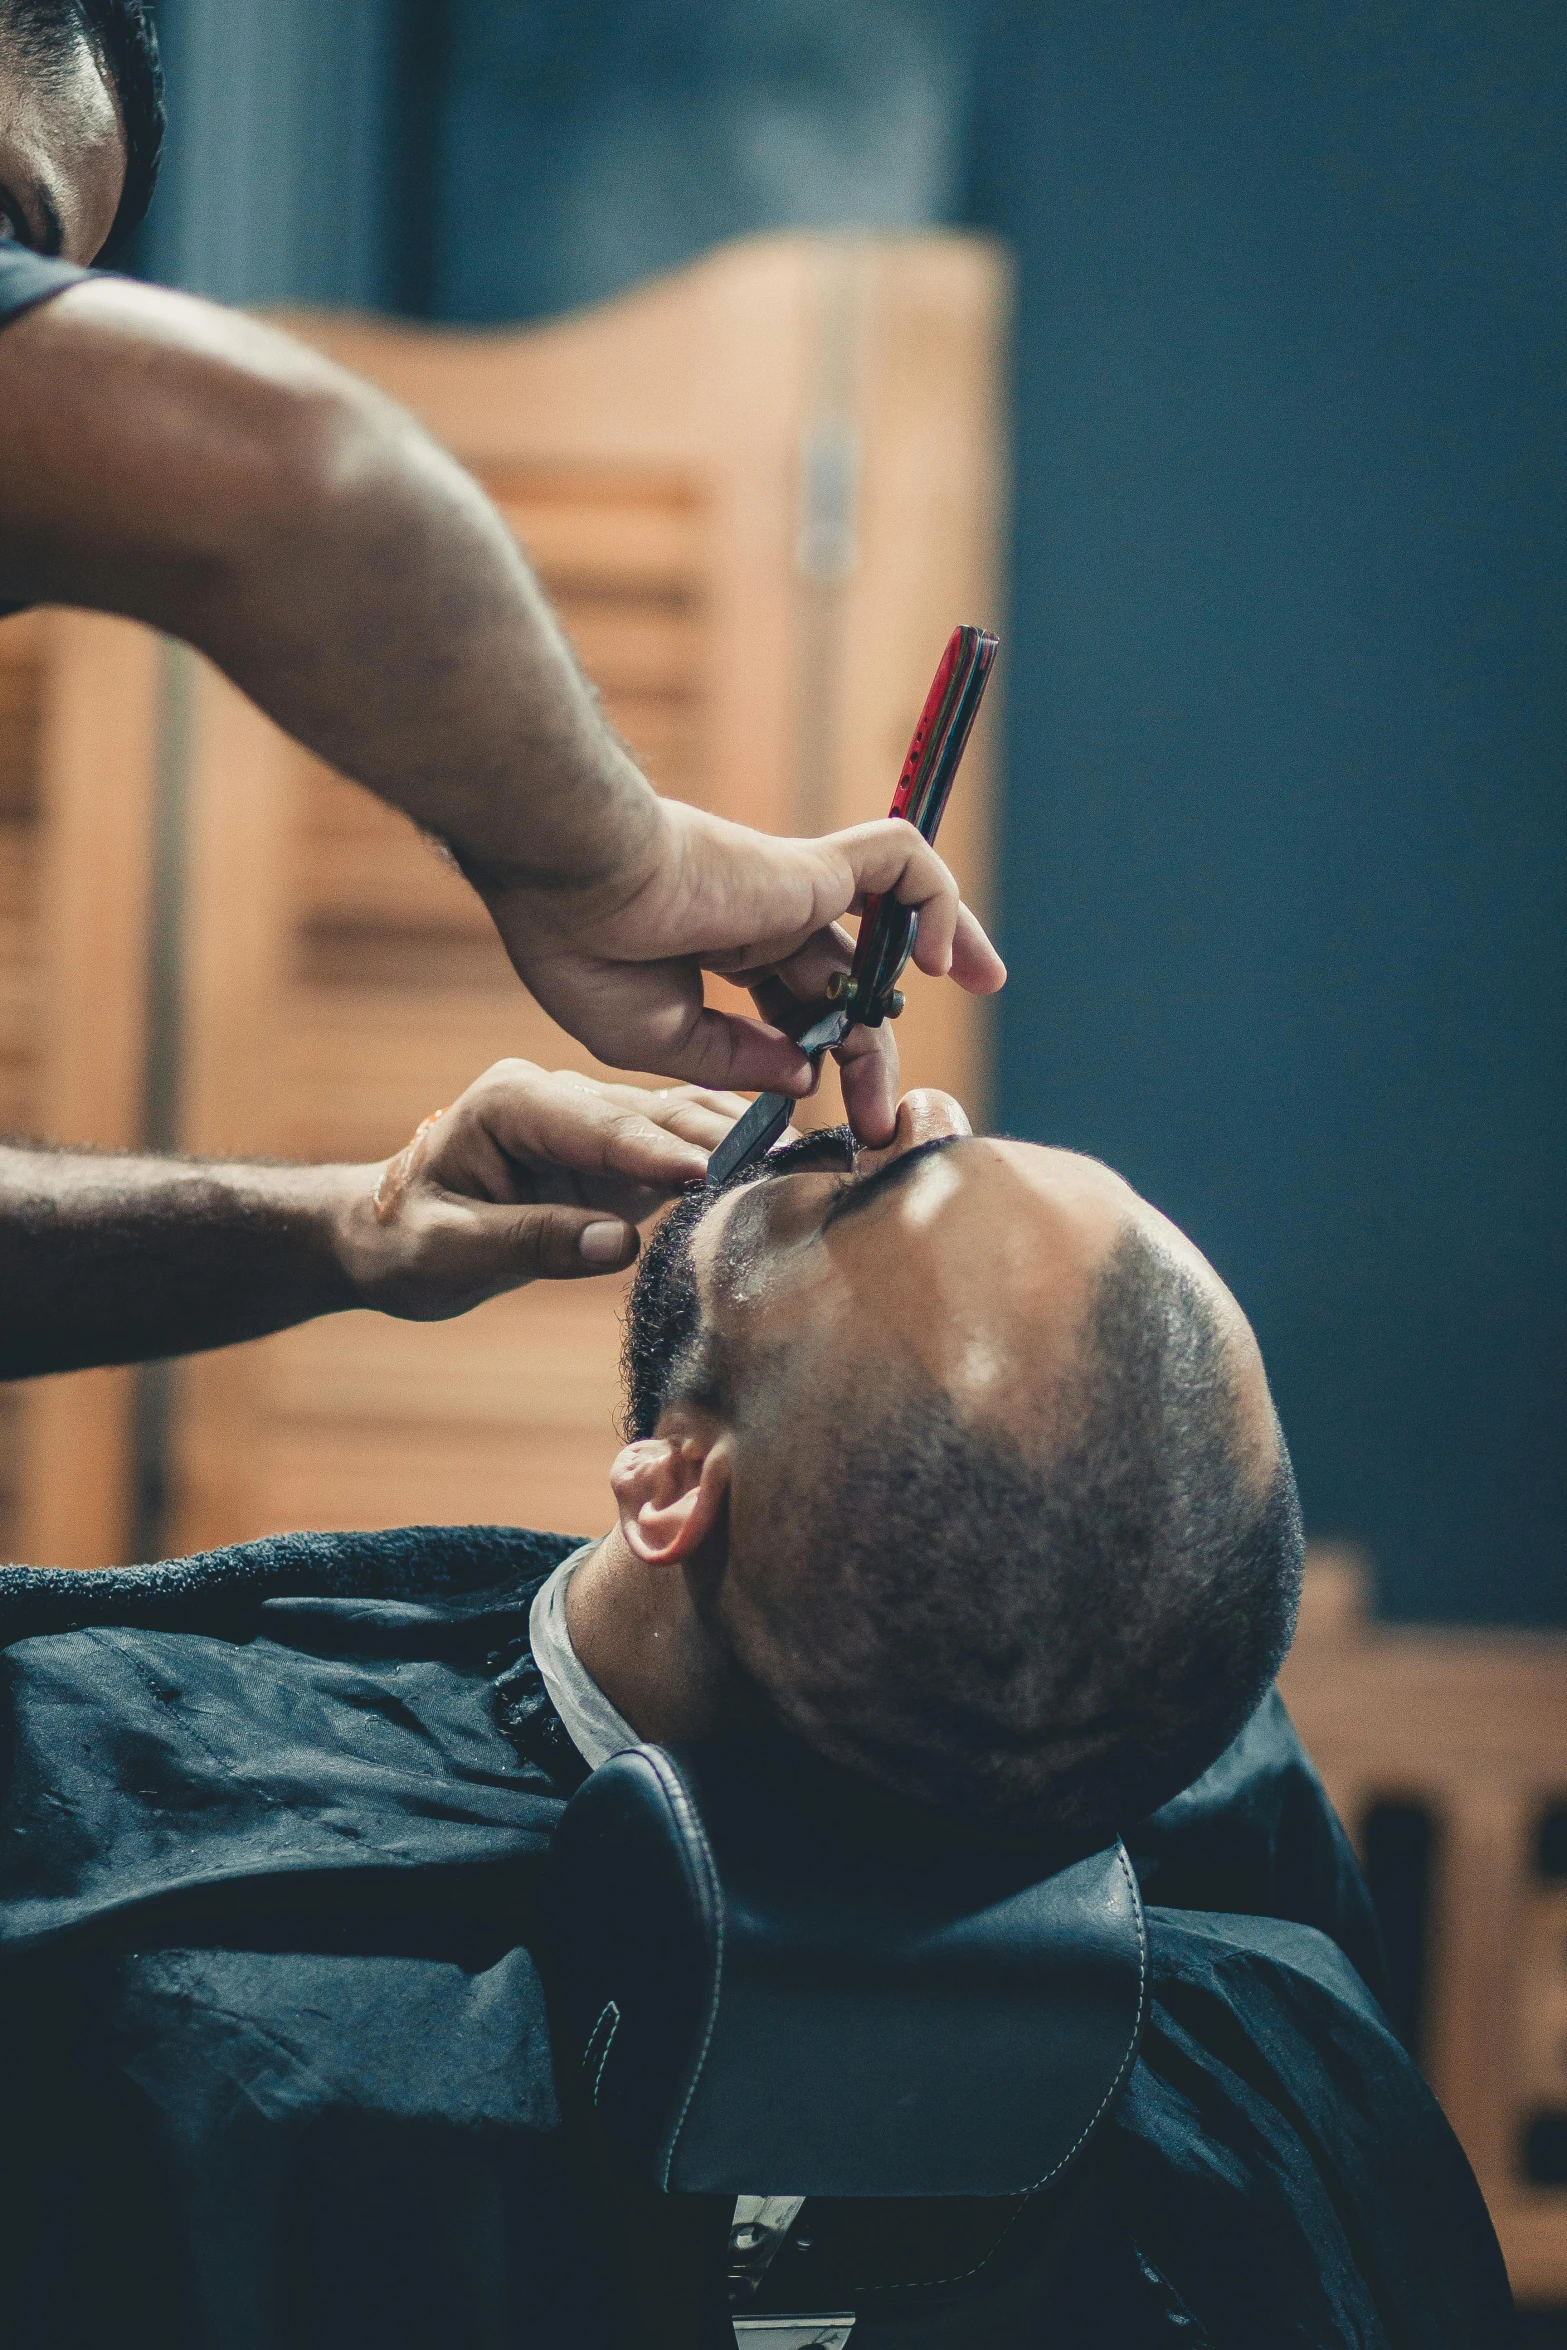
[1215, 353]
[1283, 828]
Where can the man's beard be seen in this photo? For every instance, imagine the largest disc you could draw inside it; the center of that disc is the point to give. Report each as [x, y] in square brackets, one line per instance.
[664, 1335]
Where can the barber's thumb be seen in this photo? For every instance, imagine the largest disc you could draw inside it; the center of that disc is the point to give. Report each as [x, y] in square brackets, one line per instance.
[567, 1244]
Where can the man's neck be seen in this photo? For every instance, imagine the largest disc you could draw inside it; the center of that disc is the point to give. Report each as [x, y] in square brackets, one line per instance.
[637, 1632]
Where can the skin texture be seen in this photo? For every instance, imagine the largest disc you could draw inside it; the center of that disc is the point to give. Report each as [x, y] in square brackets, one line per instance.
[168, 460]
[974, 1265]
[531, 1175]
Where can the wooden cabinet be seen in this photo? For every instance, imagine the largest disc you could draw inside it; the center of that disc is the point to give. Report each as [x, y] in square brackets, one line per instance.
[759, 493]
[80, 732]
[1467, 1731]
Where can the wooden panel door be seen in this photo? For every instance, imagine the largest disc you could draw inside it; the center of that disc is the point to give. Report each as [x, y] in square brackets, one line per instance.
[80, 729]
[21, 730]
[1467, 1729]
[759, 494]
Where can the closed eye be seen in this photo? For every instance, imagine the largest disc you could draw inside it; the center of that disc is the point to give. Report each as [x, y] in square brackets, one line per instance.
[863, 1191]
[18, 226]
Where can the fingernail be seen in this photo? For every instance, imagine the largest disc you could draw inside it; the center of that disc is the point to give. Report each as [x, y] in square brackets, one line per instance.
[602, 1244]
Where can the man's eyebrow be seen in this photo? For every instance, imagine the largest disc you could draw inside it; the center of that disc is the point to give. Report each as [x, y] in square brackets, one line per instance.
[54, 236]
[36, 219]
[870, 1188]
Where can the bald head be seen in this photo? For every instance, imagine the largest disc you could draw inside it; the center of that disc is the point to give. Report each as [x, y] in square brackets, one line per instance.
[1010, 1525]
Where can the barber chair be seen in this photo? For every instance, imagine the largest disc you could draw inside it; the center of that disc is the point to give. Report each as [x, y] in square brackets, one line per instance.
[842, 2072]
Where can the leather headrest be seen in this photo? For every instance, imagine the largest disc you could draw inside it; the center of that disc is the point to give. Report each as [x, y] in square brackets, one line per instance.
[771, 1996]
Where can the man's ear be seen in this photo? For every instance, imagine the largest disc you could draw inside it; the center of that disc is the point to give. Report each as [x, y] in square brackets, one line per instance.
[670, 1490]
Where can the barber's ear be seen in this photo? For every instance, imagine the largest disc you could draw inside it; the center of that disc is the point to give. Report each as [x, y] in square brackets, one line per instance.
[670, 1491]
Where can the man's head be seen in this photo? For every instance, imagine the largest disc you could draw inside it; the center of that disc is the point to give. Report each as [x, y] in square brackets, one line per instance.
[81, 123]
[969, 1463]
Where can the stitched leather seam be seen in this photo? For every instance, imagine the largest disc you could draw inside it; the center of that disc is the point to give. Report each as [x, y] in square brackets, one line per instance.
[609, 2013]
[915, 2284]
[680, 1803]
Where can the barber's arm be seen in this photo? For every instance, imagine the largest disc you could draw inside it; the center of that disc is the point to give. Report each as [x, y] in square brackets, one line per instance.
[169, 460]
[529, 1176]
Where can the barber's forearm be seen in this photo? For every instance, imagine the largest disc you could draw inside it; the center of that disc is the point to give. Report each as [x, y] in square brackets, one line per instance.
[114, 1260]
[187, 467]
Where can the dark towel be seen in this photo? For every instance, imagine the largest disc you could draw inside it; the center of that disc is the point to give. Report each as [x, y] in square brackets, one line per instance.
[220, 1590]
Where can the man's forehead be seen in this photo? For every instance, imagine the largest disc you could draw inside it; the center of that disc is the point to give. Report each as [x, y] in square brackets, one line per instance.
[977, 1209]
[970, 1266]
[1066, 1176]
[951, 1176]
[974, 1265]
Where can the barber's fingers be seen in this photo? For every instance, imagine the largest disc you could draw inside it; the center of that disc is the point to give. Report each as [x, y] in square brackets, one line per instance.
[655, 1101]
[466, 1251]
[719, 1050]
[697, 1114]
[886, 858]
[975, 964]
[593, 1133]
[519, 1123]
[867, 1060]
[703, 1123]
[555, 1243]
[425, 1254]
[868, 1073]
[780, 988]
[891, 858]
[777, 1001]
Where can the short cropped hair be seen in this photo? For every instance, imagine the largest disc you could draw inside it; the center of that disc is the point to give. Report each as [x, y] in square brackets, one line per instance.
[1045, 1641]
[123, 38]
[1041, 1636]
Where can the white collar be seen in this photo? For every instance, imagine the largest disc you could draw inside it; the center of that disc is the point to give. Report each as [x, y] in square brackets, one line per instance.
[595, 1729]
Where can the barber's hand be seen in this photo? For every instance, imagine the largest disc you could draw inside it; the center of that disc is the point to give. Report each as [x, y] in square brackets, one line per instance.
[618, 961]
[531, 1175]
[794, 996]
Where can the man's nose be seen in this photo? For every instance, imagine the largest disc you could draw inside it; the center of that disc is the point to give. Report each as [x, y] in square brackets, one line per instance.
[924, 1115]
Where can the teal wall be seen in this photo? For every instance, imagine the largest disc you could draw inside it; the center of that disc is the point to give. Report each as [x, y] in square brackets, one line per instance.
[1285, 830]
[1288, 707]
[582, 149]
[296, 163]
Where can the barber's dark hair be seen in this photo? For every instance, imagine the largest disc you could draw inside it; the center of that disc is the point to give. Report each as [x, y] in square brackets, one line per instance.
[1048, 1642]
[122, 36]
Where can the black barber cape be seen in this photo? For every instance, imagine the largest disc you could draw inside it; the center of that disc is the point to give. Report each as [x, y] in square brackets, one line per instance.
[276, 2068]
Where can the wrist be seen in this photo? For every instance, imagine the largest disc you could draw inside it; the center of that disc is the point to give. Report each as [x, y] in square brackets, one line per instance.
[593, 849]
[354, 1233]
